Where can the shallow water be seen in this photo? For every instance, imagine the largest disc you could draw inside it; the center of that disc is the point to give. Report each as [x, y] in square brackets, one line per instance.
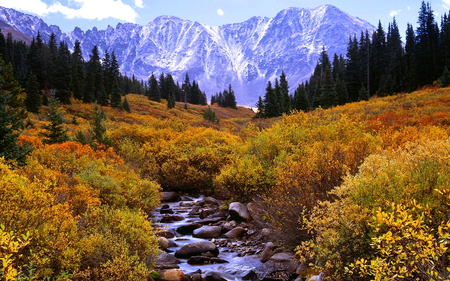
[232, 257]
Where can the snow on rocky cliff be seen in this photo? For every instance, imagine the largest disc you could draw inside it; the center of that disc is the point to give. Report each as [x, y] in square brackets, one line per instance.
[245, 55]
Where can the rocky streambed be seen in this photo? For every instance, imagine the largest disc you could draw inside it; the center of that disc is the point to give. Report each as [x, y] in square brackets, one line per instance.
[200, 240]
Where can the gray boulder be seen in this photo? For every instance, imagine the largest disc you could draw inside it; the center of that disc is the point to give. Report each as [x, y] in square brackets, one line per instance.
[188, 228]
[170, 196]
[267, 253]
[207, 232]
[214, 276]
[244, 272]
[196, 249]
[281, 266]
[166, 261]
[239, 211]
[235, 233]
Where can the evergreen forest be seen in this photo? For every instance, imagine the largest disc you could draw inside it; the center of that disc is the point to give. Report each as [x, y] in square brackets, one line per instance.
[352, 170]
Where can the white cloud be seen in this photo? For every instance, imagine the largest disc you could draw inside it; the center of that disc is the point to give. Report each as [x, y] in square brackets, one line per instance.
[409, 8]
[139, 3]
[446, 4]
[394, 13]
[97, 9]
[86, 9]
[220, 12]
[33, 6]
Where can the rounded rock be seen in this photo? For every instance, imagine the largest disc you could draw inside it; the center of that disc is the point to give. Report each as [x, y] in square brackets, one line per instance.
[207, 232]
[239, 211]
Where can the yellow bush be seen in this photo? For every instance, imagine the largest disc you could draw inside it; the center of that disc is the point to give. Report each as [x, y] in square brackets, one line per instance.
[11, 248]
[84, 210]
[391, 218]
[406, 247]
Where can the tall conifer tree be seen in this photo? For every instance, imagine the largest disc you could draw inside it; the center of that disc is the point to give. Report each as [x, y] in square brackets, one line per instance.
[55, 132]
[33, 99]
[78, 72]
[10, 124]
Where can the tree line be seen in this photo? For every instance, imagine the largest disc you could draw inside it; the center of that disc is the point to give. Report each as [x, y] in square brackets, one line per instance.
[377, 63]
[50, 70]
[226, 98]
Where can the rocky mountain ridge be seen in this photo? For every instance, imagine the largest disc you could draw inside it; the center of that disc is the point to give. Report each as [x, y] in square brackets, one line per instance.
[245, 55]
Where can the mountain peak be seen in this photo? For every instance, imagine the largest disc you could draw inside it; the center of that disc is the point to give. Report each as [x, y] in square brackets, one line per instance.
[245, 55]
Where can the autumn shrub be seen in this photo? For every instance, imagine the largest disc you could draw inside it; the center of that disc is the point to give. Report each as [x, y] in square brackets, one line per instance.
[86, 212]
[251, 172]
[103, 172]
[12, 247]
[406, 246]
[185, 159]
[295, 163]
[389, 221]
[32, 209]
[117, 244]
[328, 153]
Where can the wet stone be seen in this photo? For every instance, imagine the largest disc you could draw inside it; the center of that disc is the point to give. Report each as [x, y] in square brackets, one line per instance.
[188, 228]
[166, 211]
[170, 218]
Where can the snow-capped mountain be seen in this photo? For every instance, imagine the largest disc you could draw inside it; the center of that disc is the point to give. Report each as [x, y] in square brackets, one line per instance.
[245, 55]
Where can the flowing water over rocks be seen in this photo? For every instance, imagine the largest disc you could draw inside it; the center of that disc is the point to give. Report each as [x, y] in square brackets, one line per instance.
[201, 241]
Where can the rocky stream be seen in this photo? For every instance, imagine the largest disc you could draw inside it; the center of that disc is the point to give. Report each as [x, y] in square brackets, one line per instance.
[200, 240]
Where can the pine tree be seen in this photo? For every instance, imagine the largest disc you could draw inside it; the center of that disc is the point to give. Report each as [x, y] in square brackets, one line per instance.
[98, 129]
[338, 67]
[230, 98]
[12, 87]
[94, 90]
[426, 48]
[126, 105]
[379, 60]
[444, 40]
[210, 115]
[353, 77]
[33, 98]
[186, 90]
[10, 124]
[285, 98]
[260, 108]
[81, 138]
[171, 100]
[411, 72]
[172, 90]
[363, 94]
[396, 69]
[9, 50]
[55, 132]
[163, 87]
[364, 55]
[444, 80]
[154, 92]
[328, 96]
[2, 44]
[341, 92]
[301, 101]
[116, 95]
[271, 105]
[35, 60]
[62, 74]
[107, 77]
[78, 73]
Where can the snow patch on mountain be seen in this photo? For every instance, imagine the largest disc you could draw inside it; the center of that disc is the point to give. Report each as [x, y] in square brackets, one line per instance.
[245, 55]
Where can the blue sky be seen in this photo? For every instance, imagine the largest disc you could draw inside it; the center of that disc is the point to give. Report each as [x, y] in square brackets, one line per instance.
[100, 13]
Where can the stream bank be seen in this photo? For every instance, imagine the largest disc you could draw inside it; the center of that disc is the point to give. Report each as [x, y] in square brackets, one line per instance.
[200, 240]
